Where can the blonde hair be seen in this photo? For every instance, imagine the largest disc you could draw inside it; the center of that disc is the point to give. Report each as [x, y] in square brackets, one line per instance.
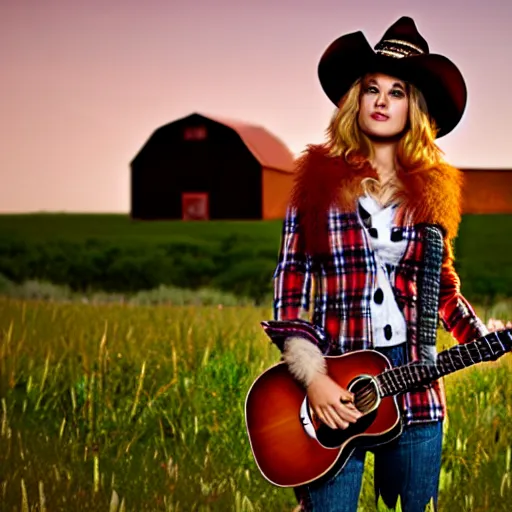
[416, 148]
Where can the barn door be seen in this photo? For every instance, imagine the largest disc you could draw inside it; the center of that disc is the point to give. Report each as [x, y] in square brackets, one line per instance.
[194, 206]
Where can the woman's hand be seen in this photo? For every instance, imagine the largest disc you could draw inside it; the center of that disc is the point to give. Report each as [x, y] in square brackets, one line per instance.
[332, 404]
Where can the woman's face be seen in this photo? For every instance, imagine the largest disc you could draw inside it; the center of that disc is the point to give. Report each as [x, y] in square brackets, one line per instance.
[383, 106]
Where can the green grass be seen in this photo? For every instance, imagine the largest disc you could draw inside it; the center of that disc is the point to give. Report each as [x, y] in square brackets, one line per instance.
[151, 396]
[120, 228]
[144, 405]
[91, 253]
[88, 251]
[484, 256]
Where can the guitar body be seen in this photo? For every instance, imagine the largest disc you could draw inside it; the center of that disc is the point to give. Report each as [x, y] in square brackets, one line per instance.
[284, 449]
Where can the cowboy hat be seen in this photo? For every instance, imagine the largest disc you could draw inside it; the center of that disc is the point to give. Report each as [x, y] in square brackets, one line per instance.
[403, 53]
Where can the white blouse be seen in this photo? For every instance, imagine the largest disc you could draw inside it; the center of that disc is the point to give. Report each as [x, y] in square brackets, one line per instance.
[389, 327]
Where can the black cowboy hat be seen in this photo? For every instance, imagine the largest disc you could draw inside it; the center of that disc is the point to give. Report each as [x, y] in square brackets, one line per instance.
[403, 53]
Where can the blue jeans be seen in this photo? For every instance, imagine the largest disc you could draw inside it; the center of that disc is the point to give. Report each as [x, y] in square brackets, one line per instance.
[408, 467]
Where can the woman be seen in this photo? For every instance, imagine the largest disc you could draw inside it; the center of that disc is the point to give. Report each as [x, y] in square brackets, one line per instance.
[367, 243]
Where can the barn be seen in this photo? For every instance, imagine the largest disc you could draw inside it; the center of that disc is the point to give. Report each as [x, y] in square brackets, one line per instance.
[487, 191]
[202, 167]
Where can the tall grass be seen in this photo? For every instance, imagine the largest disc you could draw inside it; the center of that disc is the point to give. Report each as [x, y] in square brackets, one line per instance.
[135, 408]
[146, 401]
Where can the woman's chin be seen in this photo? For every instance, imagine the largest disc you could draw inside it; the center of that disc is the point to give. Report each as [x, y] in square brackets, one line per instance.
[383, 136]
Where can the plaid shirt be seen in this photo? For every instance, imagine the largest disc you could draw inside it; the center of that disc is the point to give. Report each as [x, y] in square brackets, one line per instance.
[336, 292]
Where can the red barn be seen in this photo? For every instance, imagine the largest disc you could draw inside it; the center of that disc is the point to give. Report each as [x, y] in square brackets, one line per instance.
[203, 167]
[487, 191]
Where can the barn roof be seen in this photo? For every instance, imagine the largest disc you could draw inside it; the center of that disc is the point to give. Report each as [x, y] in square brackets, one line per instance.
[268, 149]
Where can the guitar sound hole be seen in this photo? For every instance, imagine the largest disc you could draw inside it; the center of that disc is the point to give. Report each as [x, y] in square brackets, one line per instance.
[366, 395]
[367, 400]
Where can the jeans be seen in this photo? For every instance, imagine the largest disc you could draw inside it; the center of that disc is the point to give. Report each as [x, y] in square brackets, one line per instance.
[408, 467]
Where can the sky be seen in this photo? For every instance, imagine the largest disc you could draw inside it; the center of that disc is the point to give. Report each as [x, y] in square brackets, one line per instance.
[86, 82]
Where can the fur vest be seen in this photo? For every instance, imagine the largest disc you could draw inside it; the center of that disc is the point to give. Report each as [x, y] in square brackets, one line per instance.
[428, 195]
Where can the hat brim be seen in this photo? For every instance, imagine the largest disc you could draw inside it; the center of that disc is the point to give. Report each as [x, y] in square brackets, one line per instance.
[440, 81]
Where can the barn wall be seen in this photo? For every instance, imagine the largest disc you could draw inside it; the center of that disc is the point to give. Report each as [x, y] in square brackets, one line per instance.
[276, 187]
[487, 191]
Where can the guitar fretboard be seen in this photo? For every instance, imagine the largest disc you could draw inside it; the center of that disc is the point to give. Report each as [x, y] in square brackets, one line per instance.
[415, 375]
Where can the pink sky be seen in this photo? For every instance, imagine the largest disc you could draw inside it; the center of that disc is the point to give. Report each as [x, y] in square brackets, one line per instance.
[85, 83]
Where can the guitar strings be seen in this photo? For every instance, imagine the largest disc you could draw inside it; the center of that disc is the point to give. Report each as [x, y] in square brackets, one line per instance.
[418, 371]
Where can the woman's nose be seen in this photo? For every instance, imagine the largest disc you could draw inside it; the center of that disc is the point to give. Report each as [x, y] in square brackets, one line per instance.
[380, 101]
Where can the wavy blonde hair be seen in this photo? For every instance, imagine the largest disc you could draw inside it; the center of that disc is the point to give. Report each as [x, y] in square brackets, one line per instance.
[416, 148]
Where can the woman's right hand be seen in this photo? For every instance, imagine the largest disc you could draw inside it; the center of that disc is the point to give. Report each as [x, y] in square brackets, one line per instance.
[332, 404]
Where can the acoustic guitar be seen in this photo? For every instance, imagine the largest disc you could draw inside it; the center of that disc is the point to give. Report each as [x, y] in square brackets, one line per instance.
[292, 447]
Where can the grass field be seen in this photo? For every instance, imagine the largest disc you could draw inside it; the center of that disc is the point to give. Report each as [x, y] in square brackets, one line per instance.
[118, 227]
[126, 407]
[134, 408]
[91, 251]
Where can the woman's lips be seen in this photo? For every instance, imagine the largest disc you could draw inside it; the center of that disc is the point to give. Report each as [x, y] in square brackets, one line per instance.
[379, 117]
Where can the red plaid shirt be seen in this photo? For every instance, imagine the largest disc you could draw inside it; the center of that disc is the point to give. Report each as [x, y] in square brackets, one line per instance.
[336, 291]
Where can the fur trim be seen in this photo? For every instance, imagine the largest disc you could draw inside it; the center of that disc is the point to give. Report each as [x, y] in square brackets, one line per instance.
[429, 195]
[304, 359]
[433, 196]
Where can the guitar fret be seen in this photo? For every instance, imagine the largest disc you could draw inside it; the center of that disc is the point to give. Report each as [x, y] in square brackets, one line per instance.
[383, 388]
[441, 366]
[423, 372]
[462, 356]
[432, 372]
[418, 373]
[467, 360]
[392, 385]
[393, 382]
[404, 378]
[401, 383]
[471, 360]
[388, 384]
[478, 354]
[459, 359]
[488, 348]
[407, 377]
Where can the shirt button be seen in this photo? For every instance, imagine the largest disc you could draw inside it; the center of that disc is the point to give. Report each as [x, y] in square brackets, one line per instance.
[397, 235]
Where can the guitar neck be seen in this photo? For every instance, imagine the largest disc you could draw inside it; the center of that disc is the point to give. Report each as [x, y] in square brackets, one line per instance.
[414, 375]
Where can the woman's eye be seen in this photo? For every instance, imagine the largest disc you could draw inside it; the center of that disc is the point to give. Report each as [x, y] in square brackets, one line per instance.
[372, 89]
[397, 93]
